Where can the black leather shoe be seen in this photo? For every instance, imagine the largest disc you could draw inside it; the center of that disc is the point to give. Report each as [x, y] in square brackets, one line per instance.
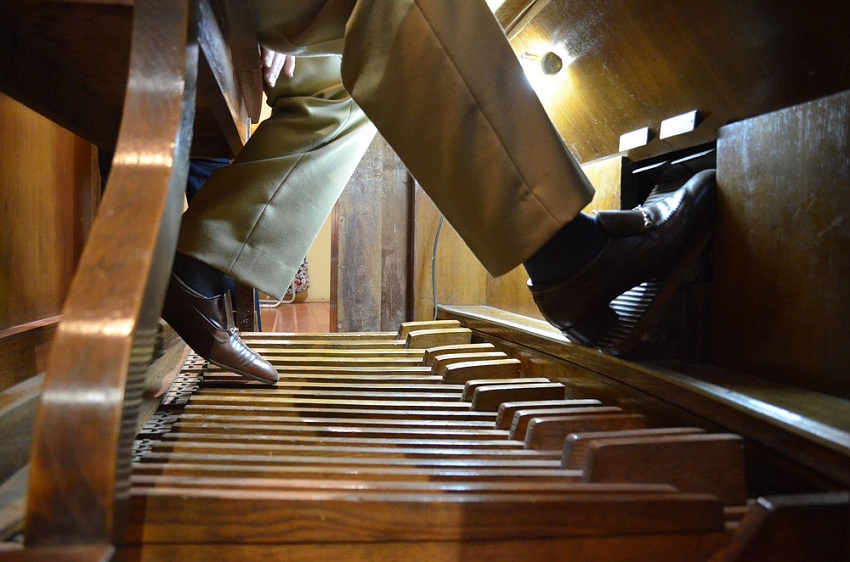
[206, 325]
[646, 242]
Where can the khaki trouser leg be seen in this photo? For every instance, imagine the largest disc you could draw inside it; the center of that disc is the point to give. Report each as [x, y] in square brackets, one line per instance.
[256, 219]
[445, 89]
[443, 86]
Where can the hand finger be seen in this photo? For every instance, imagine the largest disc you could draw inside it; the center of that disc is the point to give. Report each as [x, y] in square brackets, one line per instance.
[289, 66]
[267, 57]
[272, 70]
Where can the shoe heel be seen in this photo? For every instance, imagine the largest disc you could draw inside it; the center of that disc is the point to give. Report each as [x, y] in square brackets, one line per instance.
[593, 326]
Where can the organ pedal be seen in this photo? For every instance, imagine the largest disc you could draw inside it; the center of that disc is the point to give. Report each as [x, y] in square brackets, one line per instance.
[431, 354]
[357, 449]
[519, 425]
[488, 397]
[473, 385]
[405, 328]
[423, 339]
[712, 463]
[465, 371]
[438, 363]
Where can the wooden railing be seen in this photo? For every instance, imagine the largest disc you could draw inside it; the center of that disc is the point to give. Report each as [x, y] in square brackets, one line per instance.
[80, 460]
[79, 472]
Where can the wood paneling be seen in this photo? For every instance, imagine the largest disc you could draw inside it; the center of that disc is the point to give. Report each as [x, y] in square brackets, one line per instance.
[632, 63]
[460, 277]
[373, 244]
[45, 179]
[93, 40]
[17, 416]
[24, 350]
[510, 292]
[513, 14]
[781, 305]
[642, 547]
[606, 176]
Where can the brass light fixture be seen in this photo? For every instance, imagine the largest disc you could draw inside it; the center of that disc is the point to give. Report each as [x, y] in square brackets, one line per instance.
[550, 63]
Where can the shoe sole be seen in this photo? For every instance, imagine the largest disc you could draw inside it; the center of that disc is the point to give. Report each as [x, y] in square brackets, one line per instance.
[242, 373]
[638, 307]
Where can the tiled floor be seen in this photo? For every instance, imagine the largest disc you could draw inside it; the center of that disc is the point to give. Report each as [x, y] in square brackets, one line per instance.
[303, 317]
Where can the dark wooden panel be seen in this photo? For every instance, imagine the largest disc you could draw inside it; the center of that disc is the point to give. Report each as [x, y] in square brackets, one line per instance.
[373, 240]
[793, 528]
[88, 46]
[637, 62]
[237, 21]
[70, 553]
[45, 174]
[668, 547]
[218, 79]
[195, 517]
[24, 350]
[246, 310]
[781, 305]
[17, 417]
[358, 279]
[396, 229]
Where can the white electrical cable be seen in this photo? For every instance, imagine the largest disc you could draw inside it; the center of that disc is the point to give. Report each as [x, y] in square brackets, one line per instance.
[434, 264]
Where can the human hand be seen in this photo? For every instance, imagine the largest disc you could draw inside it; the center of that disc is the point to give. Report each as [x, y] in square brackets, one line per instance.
[274, 63]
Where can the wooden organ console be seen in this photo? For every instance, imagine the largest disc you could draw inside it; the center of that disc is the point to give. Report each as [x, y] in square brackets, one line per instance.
[484, 435]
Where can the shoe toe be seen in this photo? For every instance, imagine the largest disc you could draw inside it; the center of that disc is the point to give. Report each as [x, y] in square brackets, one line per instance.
[236, 356]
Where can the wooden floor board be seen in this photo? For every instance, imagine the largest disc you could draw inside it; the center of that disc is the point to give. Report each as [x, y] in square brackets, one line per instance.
[296, 317]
